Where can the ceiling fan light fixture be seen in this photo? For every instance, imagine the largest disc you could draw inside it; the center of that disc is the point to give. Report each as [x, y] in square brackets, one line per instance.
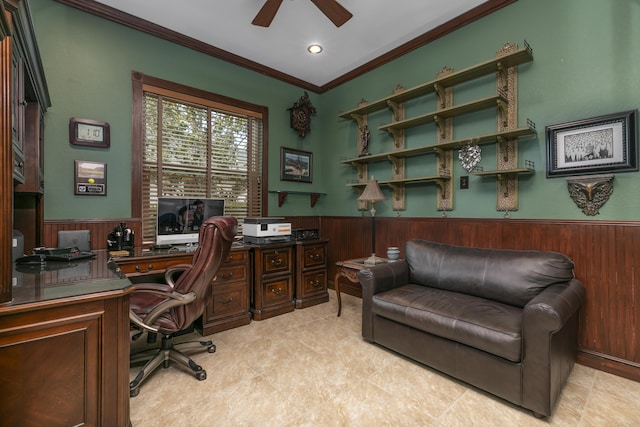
[315, 49]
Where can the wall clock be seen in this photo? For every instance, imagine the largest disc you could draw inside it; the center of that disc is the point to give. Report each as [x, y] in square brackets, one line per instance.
[90, 133]
[300, 114]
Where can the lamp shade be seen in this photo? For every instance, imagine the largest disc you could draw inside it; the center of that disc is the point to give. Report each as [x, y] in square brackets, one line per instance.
[372, 192]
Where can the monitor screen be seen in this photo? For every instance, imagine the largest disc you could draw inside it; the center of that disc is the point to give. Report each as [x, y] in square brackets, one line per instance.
[179, 219]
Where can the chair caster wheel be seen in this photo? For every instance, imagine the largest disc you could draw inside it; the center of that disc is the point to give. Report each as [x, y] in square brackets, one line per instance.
[134, 392]
[201, 375]
[212, 348]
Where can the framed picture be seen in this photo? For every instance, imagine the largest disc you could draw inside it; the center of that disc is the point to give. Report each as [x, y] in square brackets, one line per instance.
[296, 165]
[601, 144]
[90, 178]
[90, 133]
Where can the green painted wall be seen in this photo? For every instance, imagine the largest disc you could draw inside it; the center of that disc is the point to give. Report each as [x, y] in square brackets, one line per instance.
[88, 62]
[586, 64]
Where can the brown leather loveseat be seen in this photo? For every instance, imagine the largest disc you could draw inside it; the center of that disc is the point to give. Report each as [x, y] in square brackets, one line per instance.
[504, 321]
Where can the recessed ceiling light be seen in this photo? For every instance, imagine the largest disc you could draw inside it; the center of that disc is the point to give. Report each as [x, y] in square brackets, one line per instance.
[315, 48]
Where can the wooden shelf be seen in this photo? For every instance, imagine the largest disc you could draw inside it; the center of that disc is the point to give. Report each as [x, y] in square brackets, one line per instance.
[403, 181]
[469, 107]
[517, 57]
[411, 152]
[314, 196]
[500, 174]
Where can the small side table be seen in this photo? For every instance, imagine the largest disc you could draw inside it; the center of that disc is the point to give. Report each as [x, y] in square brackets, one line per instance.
[349, 270]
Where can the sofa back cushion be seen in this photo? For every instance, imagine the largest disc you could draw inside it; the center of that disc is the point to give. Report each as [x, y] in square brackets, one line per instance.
[510, 276]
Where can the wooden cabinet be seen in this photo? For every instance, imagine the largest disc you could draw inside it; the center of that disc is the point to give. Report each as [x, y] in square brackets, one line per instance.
[272, 280]
[311, 273]
[33, 151]
[64, 349]
[228, 306]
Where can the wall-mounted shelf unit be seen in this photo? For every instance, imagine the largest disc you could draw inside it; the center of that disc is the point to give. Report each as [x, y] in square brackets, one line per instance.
[313, 196]
[497, 64]
[506, 137]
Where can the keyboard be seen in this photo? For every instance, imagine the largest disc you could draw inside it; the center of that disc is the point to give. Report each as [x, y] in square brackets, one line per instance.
[63, 254]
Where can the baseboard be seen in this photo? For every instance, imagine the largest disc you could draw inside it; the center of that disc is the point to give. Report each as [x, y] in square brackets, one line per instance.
[610, 364]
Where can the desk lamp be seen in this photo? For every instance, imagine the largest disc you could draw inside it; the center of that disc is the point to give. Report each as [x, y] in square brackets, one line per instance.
[372, 194]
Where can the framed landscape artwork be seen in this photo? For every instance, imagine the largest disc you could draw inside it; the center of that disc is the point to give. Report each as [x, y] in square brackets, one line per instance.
[598, 145]
[296, 165]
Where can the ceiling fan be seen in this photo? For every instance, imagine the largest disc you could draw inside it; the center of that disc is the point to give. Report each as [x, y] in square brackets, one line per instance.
[331, 8]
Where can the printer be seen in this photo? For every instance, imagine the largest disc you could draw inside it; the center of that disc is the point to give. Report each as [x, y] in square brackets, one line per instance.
[265, 230]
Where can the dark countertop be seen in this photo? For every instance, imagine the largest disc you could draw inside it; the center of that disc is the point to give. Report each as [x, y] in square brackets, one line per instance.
[60, 279]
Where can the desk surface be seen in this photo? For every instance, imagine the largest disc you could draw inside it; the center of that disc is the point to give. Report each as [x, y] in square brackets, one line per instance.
[61, 279]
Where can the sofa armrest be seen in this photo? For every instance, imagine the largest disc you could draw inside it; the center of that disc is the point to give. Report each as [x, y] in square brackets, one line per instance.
[550, 339]
[553, 307]
[378, 279]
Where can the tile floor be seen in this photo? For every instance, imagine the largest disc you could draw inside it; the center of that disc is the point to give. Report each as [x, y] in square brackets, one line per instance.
[311, 368]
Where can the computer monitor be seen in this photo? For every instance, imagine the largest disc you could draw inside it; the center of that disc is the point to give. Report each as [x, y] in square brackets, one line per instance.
[179, 219]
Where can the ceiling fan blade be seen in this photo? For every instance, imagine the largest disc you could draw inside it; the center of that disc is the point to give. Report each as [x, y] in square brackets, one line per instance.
[334, 11]
[267, 13]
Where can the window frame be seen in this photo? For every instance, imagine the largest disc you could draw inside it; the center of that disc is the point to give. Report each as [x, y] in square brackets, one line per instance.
[139, 81]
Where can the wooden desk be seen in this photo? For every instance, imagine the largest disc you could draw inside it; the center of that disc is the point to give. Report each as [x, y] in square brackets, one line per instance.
[228, 306]
[64, 346]
[349, 270]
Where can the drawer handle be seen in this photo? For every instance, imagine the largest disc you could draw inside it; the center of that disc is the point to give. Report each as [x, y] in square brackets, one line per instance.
[277, 262]
[314, 283]
[226, 301]
[227, 275]
[149, 268]
[315, 257]
[277, 291]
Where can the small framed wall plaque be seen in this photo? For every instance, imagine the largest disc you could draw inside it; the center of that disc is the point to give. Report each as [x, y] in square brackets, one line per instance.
[90, 178]
[90, 133]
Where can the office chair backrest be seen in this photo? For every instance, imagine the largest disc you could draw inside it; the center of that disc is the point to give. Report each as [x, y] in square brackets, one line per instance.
[215, 238]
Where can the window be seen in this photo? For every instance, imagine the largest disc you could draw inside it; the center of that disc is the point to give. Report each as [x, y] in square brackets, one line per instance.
[191, 143]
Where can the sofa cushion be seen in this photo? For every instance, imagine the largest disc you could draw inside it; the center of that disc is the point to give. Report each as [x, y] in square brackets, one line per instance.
[509, 276]
[477, 322]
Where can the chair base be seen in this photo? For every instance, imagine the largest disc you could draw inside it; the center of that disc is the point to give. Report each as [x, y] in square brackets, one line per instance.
[167, 353]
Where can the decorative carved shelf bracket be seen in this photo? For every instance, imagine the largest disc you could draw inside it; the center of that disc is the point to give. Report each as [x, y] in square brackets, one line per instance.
[397, 190]
[503, 112]
[396, 162]
[395, 109]
[358, 119]
[361, 169]
[442, 126]
[442, 98]
[502, 142]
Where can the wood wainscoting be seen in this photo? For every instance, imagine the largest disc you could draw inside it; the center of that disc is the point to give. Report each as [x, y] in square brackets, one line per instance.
[605, 255]
[99, 229]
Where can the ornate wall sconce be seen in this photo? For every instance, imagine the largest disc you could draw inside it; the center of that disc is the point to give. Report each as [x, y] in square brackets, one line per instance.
[590, 193]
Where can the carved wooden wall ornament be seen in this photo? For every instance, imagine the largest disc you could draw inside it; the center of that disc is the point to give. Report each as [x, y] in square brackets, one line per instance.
[590, 193]
[301, 112]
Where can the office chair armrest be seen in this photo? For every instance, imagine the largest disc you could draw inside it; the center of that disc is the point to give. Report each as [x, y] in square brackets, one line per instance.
[136, 320]
[173, 299]
[173, 272]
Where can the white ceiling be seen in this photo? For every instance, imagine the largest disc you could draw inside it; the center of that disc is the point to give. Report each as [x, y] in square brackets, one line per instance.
[377, 27]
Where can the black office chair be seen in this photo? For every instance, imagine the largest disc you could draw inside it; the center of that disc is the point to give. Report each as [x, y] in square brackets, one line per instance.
[172, 307]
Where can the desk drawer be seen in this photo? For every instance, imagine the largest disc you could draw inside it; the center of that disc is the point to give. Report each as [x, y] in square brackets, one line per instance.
[277, 261]
[277, 291]
[315, 256]
[236, 257]
[150, 266]
[314, 282]
[231, 273]
[227, 300]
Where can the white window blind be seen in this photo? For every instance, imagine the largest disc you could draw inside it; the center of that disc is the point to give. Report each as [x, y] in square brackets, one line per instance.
[195, 148]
